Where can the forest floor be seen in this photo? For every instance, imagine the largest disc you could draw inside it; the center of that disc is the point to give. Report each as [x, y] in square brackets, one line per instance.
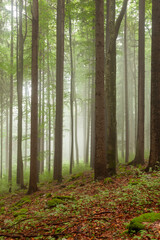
[80, 208]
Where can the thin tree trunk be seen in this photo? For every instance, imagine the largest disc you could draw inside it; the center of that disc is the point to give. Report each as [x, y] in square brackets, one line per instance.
[71, 94]
[126, 92]
[11, 103]
[49, 110]
[1, 135]
[7, 137]
[19, 91]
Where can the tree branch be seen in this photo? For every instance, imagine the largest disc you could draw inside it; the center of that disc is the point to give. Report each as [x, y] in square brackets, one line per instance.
[120, 17]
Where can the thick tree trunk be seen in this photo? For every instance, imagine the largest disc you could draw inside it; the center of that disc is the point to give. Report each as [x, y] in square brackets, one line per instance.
[100, 158]
[154, 158]
[110, 80]
[59, 91]
[34, 101]
[139, 158]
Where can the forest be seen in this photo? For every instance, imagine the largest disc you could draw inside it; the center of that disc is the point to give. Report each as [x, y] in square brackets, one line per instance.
[80, 119]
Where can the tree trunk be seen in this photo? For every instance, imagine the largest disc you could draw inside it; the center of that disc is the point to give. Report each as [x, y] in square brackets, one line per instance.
[139, 158]
[71, 94]
[34, 101]
[100, 158]
[11, 103]
[7, 137]
[59, 91]
[1, 136]
[110, 79]
[19, 92]
[126, 91]
[154, 158]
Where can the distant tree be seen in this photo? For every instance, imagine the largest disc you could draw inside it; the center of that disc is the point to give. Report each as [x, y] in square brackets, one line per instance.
[71, 93]
[126, 90]
[34, 101]
[100, 157]
[154, 158]
[57, 175]
[11, 102]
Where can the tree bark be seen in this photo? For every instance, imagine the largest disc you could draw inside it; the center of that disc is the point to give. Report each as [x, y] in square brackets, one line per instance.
[110, 80]
[11, 103]
[59, 91]
[126, 92]
[154, 158]
[139, 158]
[34, 101]
[100, 157]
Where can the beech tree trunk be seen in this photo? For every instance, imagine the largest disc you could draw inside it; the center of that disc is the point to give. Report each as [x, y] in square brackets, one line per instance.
[110, 80]
[100, 157]
[59, 91]
[34, 101]
[139, 158]
[154, 158]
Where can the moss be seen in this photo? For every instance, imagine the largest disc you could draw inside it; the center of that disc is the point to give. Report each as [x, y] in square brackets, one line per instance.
[137, 223]
[75, 177]
[2, 210]
[54, 202]
[64, 197]
[21, 202]
[133, 182]
[48, 195]
[72, 186]
[108, 180]
[2, 203]
[22, 211]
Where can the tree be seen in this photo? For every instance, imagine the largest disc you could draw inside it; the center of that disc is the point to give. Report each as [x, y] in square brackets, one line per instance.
[154, 158]
[100, 158]
[126, 90]
[19, 93]
[110, 80]
[139, 158]
[59, 91]
[34, 101]
[11, 102]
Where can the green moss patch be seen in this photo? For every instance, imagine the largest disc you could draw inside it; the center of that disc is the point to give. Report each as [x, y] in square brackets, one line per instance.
[54, 202]
[75, 177]
[64, 197]
[137, 223]
[108, 180]
[21, 202]
[22, 211]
